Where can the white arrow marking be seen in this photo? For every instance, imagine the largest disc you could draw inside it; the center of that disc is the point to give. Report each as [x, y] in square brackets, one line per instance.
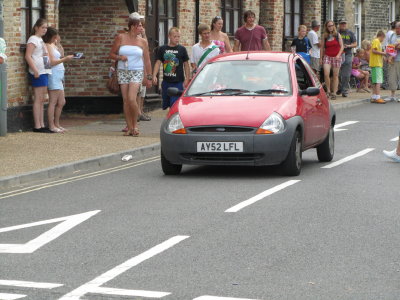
[337, 126]
[395, 139]
[30, 284]
[133, 293]
[220, 298]
[31, 246]
[348, 158]
[94, 285]
[4, 296]
[262, 195]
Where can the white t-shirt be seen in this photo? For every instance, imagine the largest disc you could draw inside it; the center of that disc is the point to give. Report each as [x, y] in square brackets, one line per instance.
[387, 38]
[197, 53]
[40, 55]
[313, 37]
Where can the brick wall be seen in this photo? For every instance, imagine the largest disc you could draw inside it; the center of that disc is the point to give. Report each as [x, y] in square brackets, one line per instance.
[272, 17]
[89, 26]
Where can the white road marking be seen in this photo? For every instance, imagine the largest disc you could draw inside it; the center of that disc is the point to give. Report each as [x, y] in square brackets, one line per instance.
[4, 296]
[124, 292]
[395, 139]
[30, 284]
[76, 178]
[262, 195]
[67, 223]
[220, 298]
[93, 285]
[338, 126]
[348, 158]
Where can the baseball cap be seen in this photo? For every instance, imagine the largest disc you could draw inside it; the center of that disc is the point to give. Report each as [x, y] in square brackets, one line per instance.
[135, 15]
[342, 21]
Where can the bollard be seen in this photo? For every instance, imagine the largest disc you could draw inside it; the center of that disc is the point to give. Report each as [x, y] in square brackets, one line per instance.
[3, 100]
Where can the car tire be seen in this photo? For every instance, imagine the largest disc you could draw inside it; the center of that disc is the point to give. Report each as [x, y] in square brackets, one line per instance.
[292, 165]
[326, 149]
[168, 167]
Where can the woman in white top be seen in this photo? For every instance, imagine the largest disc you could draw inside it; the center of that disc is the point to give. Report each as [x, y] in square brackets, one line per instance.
[56, 79]
[38, 60]
[132, 53]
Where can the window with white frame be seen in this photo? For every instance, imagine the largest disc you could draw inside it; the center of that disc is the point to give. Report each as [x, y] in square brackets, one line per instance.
[232, 14]
[292, 17]
[31, 11]
[391, 11]
[166, 19]
[357, 21]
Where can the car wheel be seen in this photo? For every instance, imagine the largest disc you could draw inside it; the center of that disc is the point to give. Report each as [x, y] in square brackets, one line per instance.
[292, 165]
[326, 150]
[169, 168]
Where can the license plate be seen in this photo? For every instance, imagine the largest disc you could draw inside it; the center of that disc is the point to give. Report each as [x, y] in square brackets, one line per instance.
[219, 146]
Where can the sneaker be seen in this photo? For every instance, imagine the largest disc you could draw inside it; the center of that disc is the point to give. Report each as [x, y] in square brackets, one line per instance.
[345, 95]
[392, 155]
[338, 92]
[390, 98]
[144, 117]
[379, 101]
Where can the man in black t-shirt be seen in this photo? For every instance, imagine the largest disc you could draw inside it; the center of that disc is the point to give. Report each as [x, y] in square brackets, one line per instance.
[176, 69]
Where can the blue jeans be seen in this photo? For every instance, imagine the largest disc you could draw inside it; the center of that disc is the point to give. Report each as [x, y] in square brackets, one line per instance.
[168, 101]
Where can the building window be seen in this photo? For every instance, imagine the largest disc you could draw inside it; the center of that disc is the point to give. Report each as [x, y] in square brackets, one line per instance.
[232, 15]
[31, 11]
[330, 14]
[166, 19]
[391, 11]
[292, 17]
[357, 21]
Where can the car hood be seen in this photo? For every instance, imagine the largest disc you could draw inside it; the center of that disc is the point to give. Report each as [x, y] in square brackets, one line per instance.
[234, 110]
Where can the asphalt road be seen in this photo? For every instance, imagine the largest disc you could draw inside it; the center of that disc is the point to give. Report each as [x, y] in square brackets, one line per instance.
[133, 233]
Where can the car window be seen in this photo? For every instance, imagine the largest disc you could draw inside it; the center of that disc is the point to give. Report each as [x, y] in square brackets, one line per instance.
[313, 76]
[303, 78]
[251, 77]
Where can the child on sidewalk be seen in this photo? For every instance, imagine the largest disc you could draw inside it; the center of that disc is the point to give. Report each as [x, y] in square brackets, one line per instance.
[204, 50]
[376, 64]
[176, 70]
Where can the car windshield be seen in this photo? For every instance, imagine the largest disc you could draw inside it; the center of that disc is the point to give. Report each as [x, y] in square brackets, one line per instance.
[231, 78]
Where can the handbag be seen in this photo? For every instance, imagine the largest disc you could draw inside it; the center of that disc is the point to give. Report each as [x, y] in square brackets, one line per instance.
[112, 82]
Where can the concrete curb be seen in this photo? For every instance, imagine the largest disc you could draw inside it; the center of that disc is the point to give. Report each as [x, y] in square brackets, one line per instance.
[338, 106]
[90, 164]
[109, 160]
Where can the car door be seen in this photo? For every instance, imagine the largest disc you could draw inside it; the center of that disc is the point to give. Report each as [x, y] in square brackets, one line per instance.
[309, 105]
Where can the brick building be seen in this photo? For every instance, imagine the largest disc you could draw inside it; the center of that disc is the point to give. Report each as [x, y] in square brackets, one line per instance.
[89, 26]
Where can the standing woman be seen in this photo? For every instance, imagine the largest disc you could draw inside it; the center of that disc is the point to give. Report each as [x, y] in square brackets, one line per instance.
[132, 53]
[56, 79]
[220, 38]
[331, 57]
[38, 60]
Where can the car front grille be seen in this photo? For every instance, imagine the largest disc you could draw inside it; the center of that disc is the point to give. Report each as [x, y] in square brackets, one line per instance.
[221, 129]
[227, 157]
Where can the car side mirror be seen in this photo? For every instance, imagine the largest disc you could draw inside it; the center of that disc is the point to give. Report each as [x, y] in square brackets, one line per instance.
[310, 91]
[174, 92]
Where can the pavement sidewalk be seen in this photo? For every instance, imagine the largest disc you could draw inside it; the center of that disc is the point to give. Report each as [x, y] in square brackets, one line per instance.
[92, 142]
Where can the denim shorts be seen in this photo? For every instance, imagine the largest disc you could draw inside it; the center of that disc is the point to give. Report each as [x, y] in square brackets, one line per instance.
[168, 101]
[56, 80]
[43, 80]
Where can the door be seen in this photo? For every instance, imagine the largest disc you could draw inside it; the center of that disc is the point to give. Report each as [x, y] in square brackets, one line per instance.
[152, 38]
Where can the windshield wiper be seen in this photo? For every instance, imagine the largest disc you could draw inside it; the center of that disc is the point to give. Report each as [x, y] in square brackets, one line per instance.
[223, 91]
[270, 91]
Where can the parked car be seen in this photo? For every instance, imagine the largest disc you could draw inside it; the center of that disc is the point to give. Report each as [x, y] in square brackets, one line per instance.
[252, 109]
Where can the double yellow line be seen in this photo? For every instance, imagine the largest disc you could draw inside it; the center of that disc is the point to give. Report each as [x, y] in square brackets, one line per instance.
[76, 178]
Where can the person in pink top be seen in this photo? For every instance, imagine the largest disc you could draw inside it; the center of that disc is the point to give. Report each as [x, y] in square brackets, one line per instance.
[220, 38]
[251, 37]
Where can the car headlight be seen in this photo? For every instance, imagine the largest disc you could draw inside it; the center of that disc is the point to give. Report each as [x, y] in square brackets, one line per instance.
[273, 124]
[175, 125]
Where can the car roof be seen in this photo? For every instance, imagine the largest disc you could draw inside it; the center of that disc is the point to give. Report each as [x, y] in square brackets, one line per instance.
[254, 55]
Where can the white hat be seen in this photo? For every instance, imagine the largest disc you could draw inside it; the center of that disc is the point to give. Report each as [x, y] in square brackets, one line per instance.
[136, 16]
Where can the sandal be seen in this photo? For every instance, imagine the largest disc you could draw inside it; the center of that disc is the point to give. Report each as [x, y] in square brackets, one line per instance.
[135, 132]
[333, 96]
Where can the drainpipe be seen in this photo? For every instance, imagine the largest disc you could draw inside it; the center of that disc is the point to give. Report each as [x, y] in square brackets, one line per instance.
[3, 93]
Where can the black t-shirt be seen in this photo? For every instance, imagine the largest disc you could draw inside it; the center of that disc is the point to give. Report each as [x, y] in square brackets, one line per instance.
[301, 44]
[172, 59]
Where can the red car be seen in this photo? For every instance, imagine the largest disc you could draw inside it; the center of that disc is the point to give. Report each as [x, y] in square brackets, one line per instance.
[255, 108]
